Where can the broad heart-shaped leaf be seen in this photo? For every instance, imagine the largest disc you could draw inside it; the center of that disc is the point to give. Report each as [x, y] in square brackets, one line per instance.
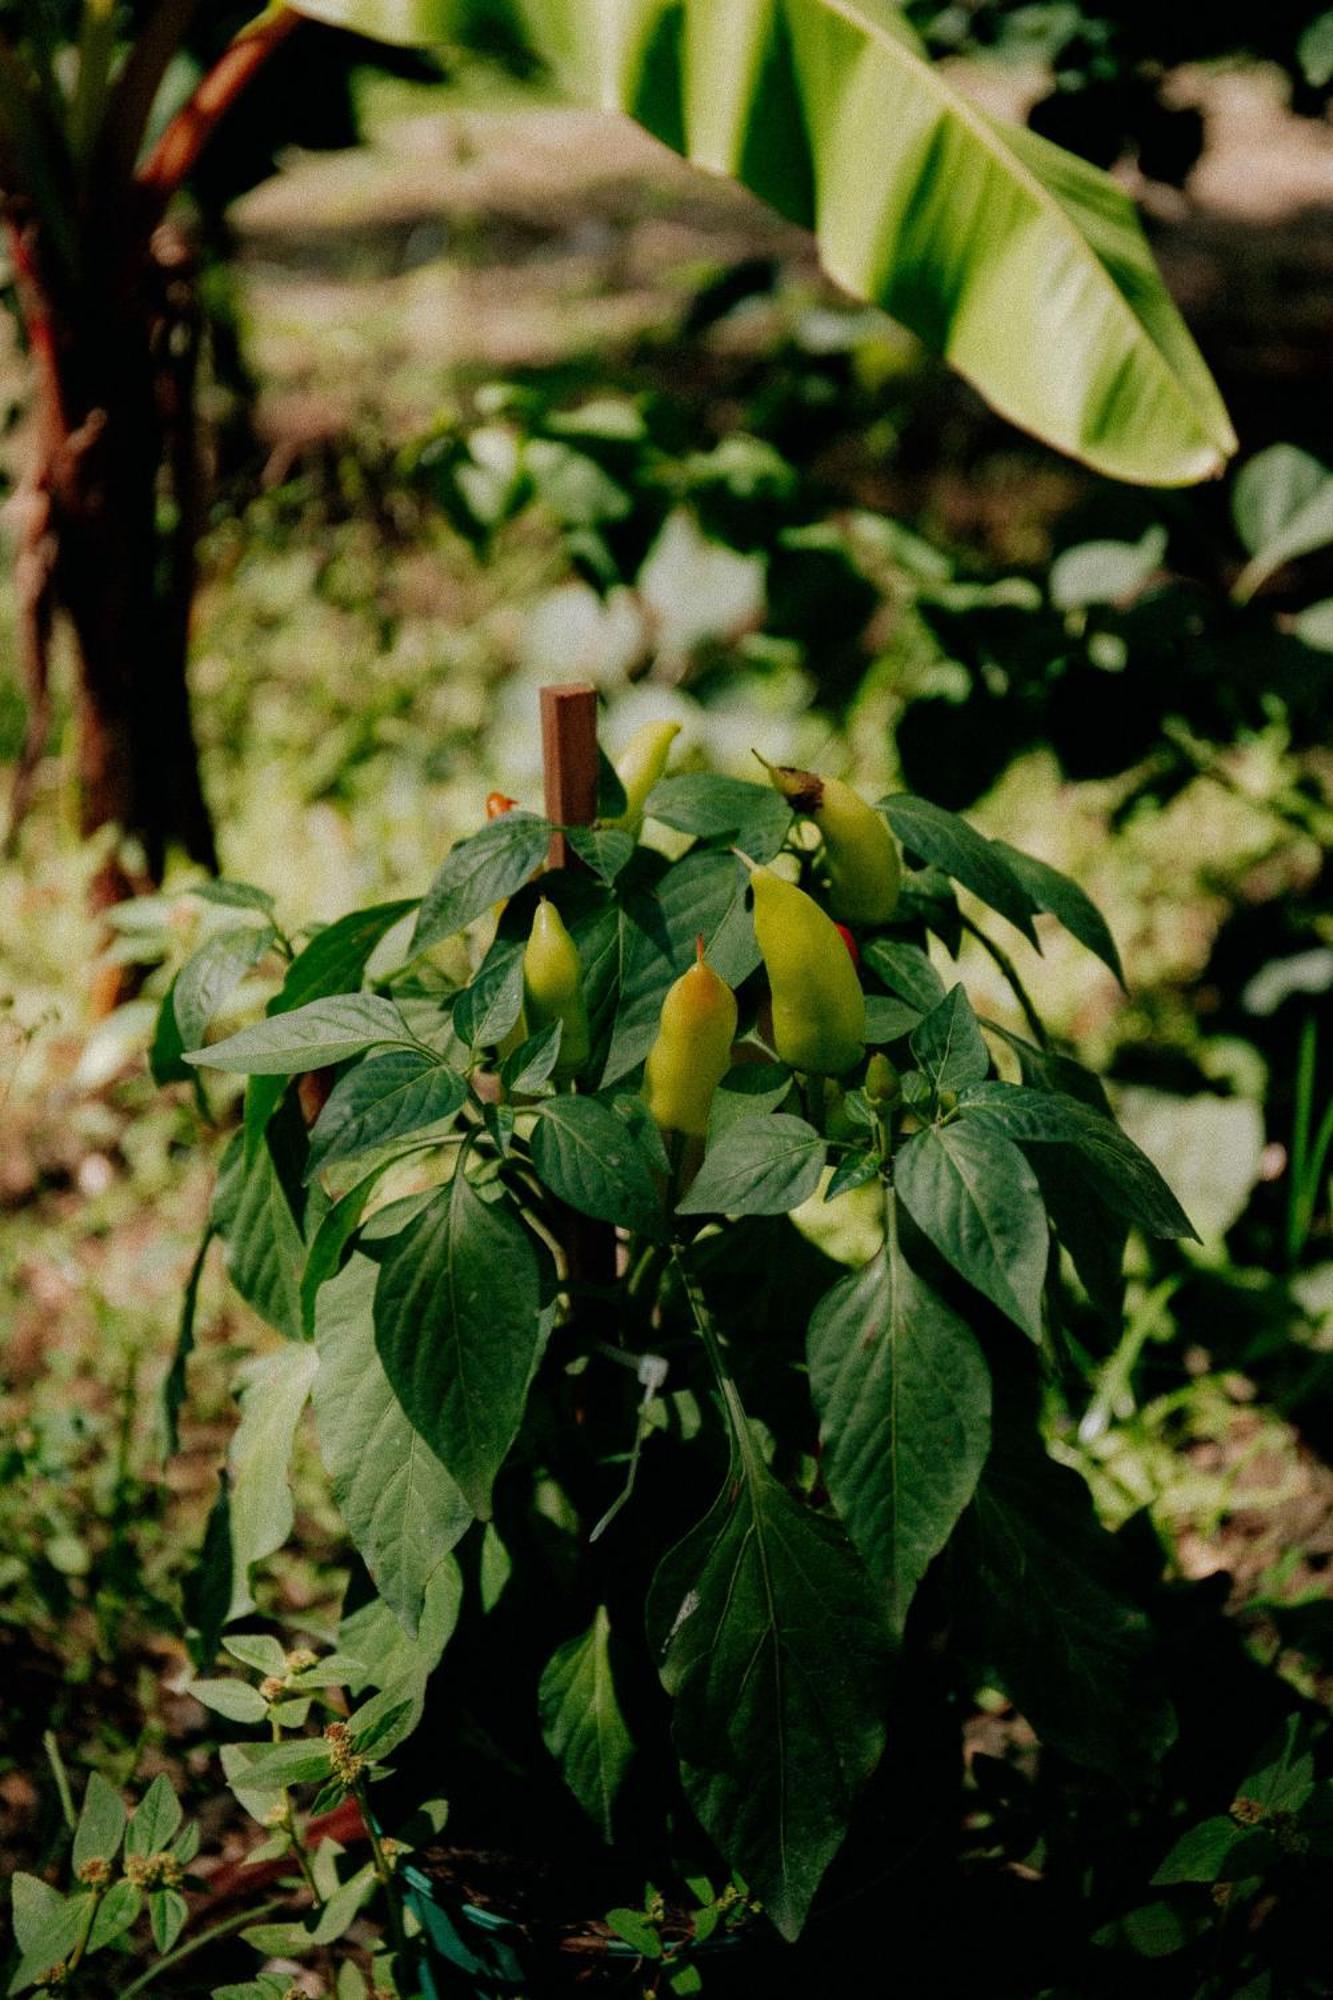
[386, 1098]
[1282, 503]
[592, 1159]
[460, 1326]
[213, 973]
[1124, 1177]
[315, 1036]
[582, 1726]
[1043, 1599]
[951, 844]
[1062, 899]
[275, 1392]
[402, 1510]
[758, 1166]
[772, 1647]
[484, 869]
[101, 1823]
[903, 1394]
[948, 1044]
[1025, 268]
[972, 1193]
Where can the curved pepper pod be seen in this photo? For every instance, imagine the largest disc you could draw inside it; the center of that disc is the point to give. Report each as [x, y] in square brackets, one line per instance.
[864, 871]
[640, 765]
[819, 1010]
[692, 1052]
[553, 988]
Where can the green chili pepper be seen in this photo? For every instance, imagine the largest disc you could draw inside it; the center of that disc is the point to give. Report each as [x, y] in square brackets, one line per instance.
[864, 872]
[692, 1052]
[640, 765]
[553, 988]
[819, 1011]
[883, 1084]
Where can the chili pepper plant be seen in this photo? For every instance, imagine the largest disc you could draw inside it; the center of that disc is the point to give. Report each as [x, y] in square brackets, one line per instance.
[679, 1264]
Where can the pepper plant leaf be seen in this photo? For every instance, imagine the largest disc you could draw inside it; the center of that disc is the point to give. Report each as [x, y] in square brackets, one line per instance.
[758, 1166]
[403, 1510]
[387, 1098]
[1124, 1177]
[948, 1044]
[275, 1392]
[582, 1725]
[772, 1647]
[1044, 1601]
[315, 1036]
[460, 1325]
[904, 1395]
[1025, 268]
[948, 841]
[595, 1162]
[1057, 896]
[480, 871]
[974, 1195]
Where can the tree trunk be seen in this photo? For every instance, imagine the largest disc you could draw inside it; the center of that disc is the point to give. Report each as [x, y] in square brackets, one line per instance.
[112, 517]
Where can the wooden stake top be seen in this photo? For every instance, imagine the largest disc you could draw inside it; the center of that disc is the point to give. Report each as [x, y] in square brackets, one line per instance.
[569, 757]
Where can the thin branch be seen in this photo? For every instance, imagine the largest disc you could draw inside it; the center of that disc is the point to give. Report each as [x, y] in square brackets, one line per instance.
[1011, 973]
[177, 151]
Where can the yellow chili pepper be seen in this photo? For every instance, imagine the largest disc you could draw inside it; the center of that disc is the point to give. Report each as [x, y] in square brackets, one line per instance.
[692, 1052]
[819, 1010]
[553, 988]
[639, 766]
[864, 871]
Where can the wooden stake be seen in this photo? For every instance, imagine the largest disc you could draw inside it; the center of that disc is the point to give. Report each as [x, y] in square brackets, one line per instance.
[569, 756]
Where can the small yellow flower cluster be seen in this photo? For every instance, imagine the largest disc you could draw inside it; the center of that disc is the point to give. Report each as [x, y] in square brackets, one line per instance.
[347, 1763]
[153, 1871]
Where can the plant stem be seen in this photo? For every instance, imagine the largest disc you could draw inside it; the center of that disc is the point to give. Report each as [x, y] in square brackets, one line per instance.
[1010, 971]
[224, 1929]
[384, 1875]
[731, 1397]
[293, 1833]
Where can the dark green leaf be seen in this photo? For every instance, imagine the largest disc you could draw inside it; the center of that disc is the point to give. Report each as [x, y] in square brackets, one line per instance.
[259, 1210]
[582, 1726]
[235, 1699]
[1062, 899]
[605, 849]
[758, 1166]
[335, 1232]
[635, 1929]
[532, 1062]
[1125, 1178]
[972, 860]
[888, 1020]
[173, 1384]
[460, 1327]
[906, 970]
[948, 1045]
[756, 816]
[212, 974]
[486, 1011]
[166, 1054]
[315, 1036]
[854, 1171]
[927, 897]
[268, 1767]
[774, 1653]
[1203, 1854]
[1043, 1598]
[973, 1194]
[482, 870]
[903, 1395]
[751, 1090]
[402, 1510]
[591, 1159]
[387, 1098]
